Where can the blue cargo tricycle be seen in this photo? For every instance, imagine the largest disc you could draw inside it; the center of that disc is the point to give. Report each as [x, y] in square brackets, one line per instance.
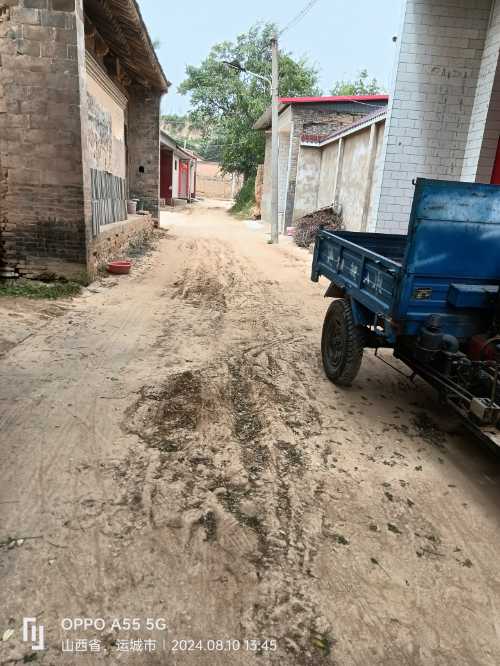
[433, 296]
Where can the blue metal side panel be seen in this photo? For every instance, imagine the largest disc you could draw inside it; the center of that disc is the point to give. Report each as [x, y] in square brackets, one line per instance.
[367, 277]
[472, 296]
[454, 237]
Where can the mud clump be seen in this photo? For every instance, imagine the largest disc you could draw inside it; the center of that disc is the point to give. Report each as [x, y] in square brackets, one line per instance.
[200, 289]
[166, 414]
[247, 424]
[248, 427]
[294, 456]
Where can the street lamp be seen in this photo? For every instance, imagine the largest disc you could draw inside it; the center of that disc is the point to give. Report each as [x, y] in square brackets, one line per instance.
[273, 84]
[234, 64]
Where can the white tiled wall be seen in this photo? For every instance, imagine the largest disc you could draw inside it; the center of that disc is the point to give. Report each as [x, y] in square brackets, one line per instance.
[484, 128]
[441, 48]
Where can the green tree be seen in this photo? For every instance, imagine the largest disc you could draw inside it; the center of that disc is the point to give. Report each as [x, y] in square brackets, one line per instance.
[225, 103]
[363, 85]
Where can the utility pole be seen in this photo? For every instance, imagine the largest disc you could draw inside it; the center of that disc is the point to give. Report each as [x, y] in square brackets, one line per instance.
[273, 82]
[275, 141]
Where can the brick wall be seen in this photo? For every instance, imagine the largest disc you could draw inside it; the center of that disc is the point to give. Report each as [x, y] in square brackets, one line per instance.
[144, 147]
[42, 214]
[441, 47]
[114, 239]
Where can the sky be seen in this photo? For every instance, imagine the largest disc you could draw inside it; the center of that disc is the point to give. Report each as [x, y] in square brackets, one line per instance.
[340, 37]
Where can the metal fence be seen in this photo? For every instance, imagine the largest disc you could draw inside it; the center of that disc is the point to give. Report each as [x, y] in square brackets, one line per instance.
[109, 199]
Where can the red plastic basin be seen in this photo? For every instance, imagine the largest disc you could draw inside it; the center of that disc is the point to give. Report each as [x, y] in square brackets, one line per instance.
[119, 267]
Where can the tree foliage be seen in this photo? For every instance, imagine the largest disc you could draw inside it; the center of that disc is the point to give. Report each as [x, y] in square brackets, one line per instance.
[226, 103]
[363, 85]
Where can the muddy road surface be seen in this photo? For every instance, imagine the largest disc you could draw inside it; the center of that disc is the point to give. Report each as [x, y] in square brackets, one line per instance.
[172, 453]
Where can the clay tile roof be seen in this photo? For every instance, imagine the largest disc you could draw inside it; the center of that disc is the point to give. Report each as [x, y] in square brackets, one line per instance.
[121, 25]
[321, 139]
[264, 121]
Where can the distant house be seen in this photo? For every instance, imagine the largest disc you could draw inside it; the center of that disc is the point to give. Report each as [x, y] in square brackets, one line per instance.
[305, 115]
[177, 171]
[212, 183]
[343, 168]
[81, 98]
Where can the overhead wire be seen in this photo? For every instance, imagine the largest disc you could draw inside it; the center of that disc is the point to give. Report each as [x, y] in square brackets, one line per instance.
[296, 19]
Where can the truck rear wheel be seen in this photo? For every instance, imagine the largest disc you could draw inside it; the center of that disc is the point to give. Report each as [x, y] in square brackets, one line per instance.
[342, 343]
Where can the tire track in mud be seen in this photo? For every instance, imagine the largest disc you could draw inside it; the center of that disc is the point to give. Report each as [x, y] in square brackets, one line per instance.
[228, 452]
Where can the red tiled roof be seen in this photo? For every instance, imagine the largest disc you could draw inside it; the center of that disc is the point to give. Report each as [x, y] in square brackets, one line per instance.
[338, 98]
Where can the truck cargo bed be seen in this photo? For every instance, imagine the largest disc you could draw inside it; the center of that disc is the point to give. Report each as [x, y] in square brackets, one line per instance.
[391, 246]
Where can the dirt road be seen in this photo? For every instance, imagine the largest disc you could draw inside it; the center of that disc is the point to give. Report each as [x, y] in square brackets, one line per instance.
[171, 450]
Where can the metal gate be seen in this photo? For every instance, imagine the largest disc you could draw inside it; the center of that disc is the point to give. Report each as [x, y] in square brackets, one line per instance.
[109, 199]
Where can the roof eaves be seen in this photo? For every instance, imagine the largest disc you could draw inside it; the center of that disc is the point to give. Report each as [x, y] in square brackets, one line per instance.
[168, 140]
[264, 121]
[152, 52]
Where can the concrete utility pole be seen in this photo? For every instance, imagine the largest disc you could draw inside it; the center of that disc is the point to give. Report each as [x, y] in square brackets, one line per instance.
[275, 141]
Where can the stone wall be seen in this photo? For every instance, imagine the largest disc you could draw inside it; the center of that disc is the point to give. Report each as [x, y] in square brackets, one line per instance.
[144, 147]
[42, 219]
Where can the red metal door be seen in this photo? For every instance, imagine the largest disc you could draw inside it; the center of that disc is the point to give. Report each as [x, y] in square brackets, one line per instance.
[166, 175]
[495, 175]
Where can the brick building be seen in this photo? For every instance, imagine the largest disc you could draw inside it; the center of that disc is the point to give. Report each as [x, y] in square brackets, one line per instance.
[298, 116]
[444, 115]
[80, 90]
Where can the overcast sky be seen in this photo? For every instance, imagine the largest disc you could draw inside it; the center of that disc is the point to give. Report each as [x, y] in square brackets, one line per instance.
[339, 36]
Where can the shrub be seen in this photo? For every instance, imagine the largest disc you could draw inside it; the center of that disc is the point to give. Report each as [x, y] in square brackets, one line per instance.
[245, 199]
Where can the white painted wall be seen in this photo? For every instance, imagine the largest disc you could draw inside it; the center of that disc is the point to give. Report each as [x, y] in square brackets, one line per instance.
[482, 109]
[284, 152]
[317, 169]
[377, 178]
[175, 176]
[353, 178]
[308, 179]
[327, 176]
[284, 160]
[110, 105]
[484, 128]
[266, 185]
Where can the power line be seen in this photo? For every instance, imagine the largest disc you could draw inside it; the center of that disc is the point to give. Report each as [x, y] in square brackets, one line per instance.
[305, 10]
